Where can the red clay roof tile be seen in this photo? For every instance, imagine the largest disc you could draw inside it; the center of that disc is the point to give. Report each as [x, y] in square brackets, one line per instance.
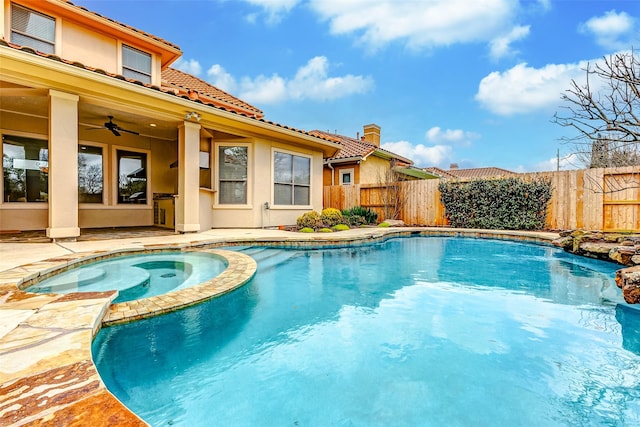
[354, 148]
[471, 173]
[197, 88]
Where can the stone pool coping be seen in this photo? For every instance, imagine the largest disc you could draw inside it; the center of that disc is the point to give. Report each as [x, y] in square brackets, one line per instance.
[47, 375]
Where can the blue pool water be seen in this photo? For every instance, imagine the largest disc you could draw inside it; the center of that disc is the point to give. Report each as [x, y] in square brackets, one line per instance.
[136, 276]
[411, 332]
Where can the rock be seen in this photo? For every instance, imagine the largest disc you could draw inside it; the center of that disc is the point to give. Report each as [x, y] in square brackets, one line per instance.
[394, 222]
[565, 242]
[565, 233]
[622, 254]
[598, 250]
[635, 259]
[628, 279]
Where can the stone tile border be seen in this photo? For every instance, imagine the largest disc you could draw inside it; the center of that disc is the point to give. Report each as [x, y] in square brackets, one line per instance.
[240, 269]
[47, 375]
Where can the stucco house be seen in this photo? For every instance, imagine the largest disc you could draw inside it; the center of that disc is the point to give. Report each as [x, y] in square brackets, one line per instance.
[99, 131]
[362, 161]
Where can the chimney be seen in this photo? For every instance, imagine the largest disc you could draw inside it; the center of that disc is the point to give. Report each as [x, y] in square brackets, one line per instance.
[453, 166]
[372, 134]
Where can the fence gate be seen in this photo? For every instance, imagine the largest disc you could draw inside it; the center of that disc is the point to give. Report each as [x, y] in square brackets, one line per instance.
[621, 201]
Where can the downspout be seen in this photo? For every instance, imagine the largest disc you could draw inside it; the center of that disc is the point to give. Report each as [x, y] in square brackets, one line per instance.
[333, 179]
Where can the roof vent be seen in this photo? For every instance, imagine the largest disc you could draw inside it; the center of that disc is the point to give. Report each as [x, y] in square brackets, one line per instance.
[453, 166]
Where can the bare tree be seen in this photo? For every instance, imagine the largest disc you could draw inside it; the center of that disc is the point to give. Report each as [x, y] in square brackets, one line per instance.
[604, 113]
[392, 193]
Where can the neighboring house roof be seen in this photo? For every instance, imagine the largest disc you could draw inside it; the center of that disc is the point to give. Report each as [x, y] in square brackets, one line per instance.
[471, 173]
[174, 78]
[414, 172]
[353, 149]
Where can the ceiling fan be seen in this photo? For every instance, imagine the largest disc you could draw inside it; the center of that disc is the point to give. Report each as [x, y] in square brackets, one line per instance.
[115, 129]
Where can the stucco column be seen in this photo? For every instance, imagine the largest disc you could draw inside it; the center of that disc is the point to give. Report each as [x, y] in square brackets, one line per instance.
[63, 165]
[188, 200]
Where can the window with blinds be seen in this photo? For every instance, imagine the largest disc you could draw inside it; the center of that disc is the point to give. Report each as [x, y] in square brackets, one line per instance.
[136, 64]
[33, 29]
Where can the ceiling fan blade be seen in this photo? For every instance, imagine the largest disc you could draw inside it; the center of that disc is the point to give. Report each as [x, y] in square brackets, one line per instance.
[128, 131]
[115, 131]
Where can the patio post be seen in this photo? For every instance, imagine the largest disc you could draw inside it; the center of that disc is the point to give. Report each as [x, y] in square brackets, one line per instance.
[188, 200]
[63, 165]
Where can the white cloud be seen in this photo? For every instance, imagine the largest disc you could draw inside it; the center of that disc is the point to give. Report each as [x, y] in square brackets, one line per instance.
[524, 89]
[219, 77]
[421, 154]
[612, 30]
[501, 46]
[275, 10]
[190, 66]
[418, 24]
[455, 136]
[312, 82]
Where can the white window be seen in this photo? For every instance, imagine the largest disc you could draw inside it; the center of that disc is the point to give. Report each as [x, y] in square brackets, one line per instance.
[136, 64]
[232, 174]
[292, 179]
[33, 29]
[346, 176]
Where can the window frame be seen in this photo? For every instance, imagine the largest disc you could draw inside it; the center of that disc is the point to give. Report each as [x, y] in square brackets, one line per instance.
[135, 71]
[27, 35]
[294, 154]
[215, 161]
[342, 172]
[115, 180]
[105, 178]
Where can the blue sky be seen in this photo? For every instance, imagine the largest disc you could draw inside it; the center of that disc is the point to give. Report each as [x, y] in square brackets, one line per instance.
[473, 82]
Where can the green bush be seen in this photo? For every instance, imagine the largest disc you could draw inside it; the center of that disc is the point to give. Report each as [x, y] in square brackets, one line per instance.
[309, 219]
[370, 217]
[384, 224]
[340, 227]
[331, 217]
[507, 203]
[307, 230]
[356, 220]
[325, 230]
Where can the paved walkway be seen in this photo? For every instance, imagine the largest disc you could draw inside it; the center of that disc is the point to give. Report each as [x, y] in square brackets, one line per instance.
[47, 376]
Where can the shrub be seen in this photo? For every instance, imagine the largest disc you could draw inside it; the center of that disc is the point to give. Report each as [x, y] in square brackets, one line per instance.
[369, 216]
[508, 203]
[309, 220]
[340, 227]
[325, 230]
[331, 217]
[356, 220]
[383, 224]
[307, 230]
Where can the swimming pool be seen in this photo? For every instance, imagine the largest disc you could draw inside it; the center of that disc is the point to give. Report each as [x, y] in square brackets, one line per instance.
[413, 331]
[135, 276]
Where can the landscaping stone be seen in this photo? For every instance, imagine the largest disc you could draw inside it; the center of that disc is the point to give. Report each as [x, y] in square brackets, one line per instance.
[623, 249]
[628, 279]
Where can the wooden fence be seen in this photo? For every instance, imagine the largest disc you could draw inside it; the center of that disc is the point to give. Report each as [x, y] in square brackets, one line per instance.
[591, 199]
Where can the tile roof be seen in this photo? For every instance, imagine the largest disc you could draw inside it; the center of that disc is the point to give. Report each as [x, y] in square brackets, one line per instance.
[471, 173]
[353, 148]
[180, 80]
[171, 90]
